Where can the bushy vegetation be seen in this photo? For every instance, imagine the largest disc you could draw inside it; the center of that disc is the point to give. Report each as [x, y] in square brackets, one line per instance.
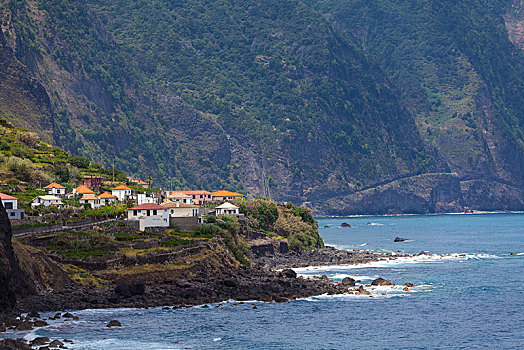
[297, 224]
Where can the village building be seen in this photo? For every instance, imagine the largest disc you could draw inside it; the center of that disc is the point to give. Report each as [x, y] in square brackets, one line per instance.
[177, 196]
[93, 182]
[121, 192]
[11, 206]
[47, 201]
[55, 189]
[227, 208]
[91, 200]
[199, 197]
[149, 215]
[221, 196]
[141, 183]
[143, 198]
[82, 190]
[107, 198]
[181, 210]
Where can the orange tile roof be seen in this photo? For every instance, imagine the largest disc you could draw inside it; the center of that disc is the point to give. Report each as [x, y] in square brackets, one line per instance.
[121, 187]
[54, 185]
[6, 196]
[227, 194]
[195, 192]
[88, 197]
[83, 190]
[106, 195]
[142, 182]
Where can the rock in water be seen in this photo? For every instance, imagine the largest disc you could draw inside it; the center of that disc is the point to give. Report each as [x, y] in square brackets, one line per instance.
[398, 239]
[348, 281]
[289, 273]
[345, 224]
[407, 284]
[40, 341]
[114, 323]
[381, 282]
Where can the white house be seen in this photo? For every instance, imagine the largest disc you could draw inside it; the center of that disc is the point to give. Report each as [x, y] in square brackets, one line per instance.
[121, 192]
[91, 200]
[181, 210]
[83, 190]
[149, 215]
[177, 196]
[11, 206]
[47, 201]
[55, 189]
[143, 198]
[107, 198]
[227, 208]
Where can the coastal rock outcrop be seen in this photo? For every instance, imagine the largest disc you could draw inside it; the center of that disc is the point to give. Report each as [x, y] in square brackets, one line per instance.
[12, 282]
[398, 239]
[381, 282]
[114, 323]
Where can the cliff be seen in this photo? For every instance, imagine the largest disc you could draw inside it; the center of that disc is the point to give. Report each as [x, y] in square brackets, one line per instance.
[12, 279]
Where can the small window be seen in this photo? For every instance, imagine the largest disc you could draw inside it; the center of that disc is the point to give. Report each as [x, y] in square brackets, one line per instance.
[135, 212]
[8, 205]
[12, 213]
[149, 213]
[154, 211]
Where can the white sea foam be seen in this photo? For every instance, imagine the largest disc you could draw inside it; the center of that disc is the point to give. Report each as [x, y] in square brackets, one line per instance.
[394, 262]
[217, 339]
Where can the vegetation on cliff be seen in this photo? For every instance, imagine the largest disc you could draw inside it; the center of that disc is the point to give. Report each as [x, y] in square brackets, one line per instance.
[318, 105]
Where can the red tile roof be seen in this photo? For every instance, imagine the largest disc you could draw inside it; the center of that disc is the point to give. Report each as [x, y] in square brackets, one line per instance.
[148, 206]
[4, 196]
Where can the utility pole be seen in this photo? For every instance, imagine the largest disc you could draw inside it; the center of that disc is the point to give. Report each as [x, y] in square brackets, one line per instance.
[113, 170]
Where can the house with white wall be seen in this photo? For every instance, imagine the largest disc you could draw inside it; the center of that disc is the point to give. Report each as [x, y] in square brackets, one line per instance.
[149, 215]
[227, 208]
[47, 201]
[11, 206]
[107, 198]
[181, 210]
[121, 192]
[91, 200]
[55, 189]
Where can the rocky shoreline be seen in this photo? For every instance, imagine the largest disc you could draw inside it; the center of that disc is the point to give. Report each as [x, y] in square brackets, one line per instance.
[263, 282]
[270, 279]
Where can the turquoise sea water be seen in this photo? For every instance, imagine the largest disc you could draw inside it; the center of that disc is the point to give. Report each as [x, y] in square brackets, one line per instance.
[472, 298]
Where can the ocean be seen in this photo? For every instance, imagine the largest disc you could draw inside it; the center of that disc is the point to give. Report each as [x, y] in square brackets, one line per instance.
[469, 294]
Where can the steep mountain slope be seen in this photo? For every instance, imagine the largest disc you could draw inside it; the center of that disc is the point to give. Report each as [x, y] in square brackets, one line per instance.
[460, 76]
[389, 96]
[273, 85]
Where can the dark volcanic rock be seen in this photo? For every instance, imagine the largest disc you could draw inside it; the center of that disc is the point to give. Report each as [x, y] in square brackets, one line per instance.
[12, 280]
[345, 224]
[137, 288]
[56, 343]
[24, 326]
[123, 290]
[114, 323]
[68, 315]
[381, 282]
[398, 239]
[348, 281]
[40, 323]
[33, 314]
[14, 344]
[289, 273]
[40, 341]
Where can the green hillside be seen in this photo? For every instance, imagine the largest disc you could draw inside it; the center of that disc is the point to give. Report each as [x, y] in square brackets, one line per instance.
[322, 105]
[457, 72]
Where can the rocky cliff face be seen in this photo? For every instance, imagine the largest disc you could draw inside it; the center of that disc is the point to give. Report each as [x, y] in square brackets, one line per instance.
[12, 282]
